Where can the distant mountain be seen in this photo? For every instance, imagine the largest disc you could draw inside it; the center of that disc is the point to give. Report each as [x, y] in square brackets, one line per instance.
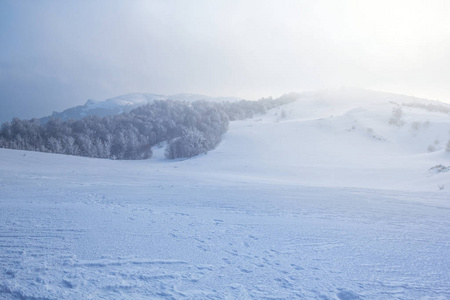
[125, 103]
[196, 97]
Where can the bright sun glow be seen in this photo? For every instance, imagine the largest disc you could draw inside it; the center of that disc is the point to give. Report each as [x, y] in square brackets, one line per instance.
[399, 28]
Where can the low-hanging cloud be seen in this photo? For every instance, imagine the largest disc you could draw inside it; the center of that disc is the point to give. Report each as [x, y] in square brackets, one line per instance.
[57, 54]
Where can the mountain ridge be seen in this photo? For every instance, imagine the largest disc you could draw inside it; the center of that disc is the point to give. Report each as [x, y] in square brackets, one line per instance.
[126, 103]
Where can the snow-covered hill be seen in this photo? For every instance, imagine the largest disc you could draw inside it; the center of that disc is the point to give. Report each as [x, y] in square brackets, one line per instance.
[125, 103]
[339, 138]
[323, 198]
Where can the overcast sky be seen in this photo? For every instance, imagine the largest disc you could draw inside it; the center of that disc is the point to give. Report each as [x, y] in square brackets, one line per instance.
[57, 54]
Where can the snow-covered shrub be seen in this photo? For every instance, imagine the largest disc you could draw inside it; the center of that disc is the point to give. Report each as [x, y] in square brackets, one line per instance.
[439, 169]
[396, 117]
[415, 126]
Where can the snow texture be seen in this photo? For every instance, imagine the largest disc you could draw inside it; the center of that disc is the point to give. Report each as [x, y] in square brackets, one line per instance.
[305, 204]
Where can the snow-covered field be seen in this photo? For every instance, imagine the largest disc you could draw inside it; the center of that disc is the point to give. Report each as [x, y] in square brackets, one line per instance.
[321, 198]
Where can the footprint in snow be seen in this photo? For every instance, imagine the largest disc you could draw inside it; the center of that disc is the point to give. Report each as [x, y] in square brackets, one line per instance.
[199, 240]
[297, 267]
[284, 283]
[68, 284]
[201, 247]
[347, 295]
[218, 222]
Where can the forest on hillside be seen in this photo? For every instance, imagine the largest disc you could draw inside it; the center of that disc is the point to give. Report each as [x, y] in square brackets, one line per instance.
[189, 128]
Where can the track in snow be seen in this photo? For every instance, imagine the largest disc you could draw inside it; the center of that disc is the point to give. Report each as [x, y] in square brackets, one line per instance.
[254, 241]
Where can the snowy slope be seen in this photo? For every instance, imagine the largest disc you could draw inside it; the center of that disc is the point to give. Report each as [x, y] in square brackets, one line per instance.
[336, 139]
[305, 204]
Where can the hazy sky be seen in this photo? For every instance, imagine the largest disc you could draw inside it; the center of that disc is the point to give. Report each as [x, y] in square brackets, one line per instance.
[57, 54]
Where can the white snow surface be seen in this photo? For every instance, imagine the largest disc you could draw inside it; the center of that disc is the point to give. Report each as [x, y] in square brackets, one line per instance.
[319, 199]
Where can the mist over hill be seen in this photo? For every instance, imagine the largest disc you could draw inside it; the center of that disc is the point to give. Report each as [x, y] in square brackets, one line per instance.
[188, 128]
[136, 123]
[339, 130]
[124, 104]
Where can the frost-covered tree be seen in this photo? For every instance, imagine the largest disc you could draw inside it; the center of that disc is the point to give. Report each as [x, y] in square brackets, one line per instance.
[191, 143]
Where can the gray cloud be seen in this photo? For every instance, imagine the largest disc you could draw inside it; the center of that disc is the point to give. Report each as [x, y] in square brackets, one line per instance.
[57, 54]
